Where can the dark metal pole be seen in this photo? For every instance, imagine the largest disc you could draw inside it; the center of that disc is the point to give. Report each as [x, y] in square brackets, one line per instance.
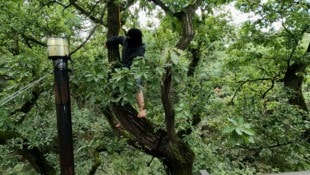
[58, 51]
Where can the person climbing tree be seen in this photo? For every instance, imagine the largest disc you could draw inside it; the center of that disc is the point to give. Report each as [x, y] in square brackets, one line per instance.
[132, 48]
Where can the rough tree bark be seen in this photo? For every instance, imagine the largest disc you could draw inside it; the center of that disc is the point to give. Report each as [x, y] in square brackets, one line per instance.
[293, 82]
[114, 26]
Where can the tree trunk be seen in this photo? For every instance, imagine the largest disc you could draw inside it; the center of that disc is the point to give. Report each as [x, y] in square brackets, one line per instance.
[113, 28]
[33, 155]
[36, 159]
[293, 82]
[176, 156]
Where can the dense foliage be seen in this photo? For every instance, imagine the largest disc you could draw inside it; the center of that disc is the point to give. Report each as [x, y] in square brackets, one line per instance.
[240, 91]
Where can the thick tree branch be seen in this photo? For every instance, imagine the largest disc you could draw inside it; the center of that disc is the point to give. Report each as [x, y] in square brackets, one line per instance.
[114, 26]
[89, 35]
[33, 155]
[107, 112]
[293, 80]
[84, 42]
[37, 159]
[141, 129]
[87, 13]
[185, 17]
[80, 9]
[168, 107]
[27, 106]
[32, 39]
[194, 62]
[163, 6]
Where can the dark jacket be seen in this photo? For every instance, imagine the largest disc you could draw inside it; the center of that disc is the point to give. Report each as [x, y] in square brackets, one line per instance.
[129, 52]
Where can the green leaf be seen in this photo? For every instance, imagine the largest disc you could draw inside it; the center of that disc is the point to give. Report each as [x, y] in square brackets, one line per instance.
[304, 43]
[174, 57]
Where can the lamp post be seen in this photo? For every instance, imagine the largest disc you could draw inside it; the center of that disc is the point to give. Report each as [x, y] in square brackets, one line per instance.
[58, 51]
